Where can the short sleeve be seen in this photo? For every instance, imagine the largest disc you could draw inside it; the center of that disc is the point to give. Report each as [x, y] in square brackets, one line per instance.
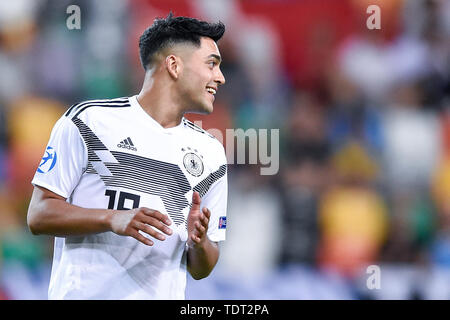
[216, 201]
[64, 159]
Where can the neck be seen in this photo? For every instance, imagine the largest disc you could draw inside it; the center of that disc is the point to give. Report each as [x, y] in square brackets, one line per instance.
[156, 99]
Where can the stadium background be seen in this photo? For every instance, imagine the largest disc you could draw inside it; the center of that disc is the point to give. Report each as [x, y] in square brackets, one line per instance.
[364, 173]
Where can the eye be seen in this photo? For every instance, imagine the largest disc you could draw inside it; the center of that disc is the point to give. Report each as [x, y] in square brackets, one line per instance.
[212, 64]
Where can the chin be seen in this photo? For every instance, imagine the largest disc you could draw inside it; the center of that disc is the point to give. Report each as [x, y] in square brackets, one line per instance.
[209, 110]
[203, 109]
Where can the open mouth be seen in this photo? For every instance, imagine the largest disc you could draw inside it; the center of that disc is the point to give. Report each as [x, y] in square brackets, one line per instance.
[211, 90]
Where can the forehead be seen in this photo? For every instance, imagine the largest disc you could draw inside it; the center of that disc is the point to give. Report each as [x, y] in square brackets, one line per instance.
[208, 47]
[189, 51]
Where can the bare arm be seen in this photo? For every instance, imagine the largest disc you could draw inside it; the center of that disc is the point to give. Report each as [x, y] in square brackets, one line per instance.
[202, 253]
[49, 213]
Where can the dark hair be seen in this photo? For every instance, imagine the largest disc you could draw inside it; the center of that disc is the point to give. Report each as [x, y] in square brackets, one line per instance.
[168, 31]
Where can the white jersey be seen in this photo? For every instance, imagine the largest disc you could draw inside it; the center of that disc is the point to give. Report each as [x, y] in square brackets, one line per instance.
[112, 154]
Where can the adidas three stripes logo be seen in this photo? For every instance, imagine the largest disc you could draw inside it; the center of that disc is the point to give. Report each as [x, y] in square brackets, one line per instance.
[127, 144]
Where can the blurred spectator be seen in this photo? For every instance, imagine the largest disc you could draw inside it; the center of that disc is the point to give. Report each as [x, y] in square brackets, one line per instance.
[29, 126]
[254, 230]
[17, 32]
[440, 248]
[412, 139]
[3, 146]
[255, 43]
[365, 56]
[303, 178]
[103, 65]
[351, 116]
[353, 216]
[410, 157]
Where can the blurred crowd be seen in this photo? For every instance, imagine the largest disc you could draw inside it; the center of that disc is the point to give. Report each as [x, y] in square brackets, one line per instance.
[364, 120]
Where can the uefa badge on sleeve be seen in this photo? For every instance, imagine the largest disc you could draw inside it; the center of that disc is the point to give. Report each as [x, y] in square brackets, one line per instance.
[48, 160]
[222, 222]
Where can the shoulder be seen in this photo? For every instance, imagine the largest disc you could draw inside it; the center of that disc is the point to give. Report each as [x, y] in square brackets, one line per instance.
[190, 125]
[212, 143]
[87, 106]
[203, 134]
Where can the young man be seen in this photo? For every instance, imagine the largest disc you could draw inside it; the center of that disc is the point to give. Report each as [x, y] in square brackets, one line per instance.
[135, 193]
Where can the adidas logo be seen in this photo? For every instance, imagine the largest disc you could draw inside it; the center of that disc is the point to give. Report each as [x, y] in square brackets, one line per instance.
[127, 144]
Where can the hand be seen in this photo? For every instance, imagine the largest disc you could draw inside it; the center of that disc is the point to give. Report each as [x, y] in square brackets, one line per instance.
[130, 222]
[197, 221]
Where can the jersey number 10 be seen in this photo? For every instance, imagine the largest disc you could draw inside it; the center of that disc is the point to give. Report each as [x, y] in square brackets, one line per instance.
[134, 198]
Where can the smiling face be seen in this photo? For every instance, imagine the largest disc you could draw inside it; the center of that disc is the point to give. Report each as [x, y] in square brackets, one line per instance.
[200, 77]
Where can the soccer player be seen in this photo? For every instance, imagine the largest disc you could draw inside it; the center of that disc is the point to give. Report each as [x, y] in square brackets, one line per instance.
[134, 193]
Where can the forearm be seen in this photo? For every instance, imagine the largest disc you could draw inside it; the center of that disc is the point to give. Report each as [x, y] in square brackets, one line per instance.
[54, 216]
[201, 258]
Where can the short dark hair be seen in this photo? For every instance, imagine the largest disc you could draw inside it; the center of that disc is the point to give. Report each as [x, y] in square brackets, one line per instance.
[168, 31]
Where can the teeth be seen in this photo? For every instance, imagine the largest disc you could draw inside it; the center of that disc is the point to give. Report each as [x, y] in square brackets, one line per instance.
[211, 90]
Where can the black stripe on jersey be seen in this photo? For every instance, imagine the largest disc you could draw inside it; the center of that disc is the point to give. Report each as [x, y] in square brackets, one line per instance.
[195, 127]
[203, 187]
[100, 101]
[90, 139]
[159, 178]
[80, 107]
[97, 105]
[70, 110]
[141, 174]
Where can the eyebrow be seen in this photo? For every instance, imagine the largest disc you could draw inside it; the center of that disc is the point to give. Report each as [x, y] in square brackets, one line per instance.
[219, 58]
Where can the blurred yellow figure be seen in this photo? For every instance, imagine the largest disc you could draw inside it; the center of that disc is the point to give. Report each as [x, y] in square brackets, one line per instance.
[352, 215]
[441, 193]
[30, 122]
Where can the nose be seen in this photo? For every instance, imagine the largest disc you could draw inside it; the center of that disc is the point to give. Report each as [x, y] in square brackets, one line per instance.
[220, 79]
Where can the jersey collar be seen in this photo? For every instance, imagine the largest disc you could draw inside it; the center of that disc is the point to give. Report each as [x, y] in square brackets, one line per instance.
[152, 122]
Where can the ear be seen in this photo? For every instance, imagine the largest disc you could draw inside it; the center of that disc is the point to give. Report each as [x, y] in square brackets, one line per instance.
[173, 66]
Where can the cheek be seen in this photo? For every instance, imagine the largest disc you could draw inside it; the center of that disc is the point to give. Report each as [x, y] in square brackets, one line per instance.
[199, 74]
[196, 82]
[191, 88]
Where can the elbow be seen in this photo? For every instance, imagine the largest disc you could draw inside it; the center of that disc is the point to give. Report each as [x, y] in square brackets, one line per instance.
[199, 276]
[34, 231]
[40, 211]
[199, 271]
[33, 222]
[32, 226]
